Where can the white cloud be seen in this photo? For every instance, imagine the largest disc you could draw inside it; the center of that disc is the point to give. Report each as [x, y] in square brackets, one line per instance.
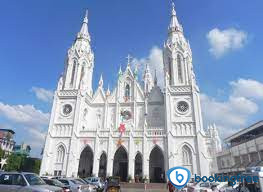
[223, 41]
[247, 88]
[234, 113]
[155, 62]
[43, 94]
[34, 122]
[25, 114]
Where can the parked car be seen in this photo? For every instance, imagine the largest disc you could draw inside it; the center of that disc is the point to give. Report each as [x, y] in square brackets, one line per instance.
[57, 183]
[197, 187]
[97, 181]
[77, 185]
[221, 186]
[24, 182]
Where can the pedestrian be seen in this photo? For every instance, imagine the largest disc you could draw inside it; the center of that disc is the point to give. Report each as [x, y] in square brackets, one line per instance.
[170, 187]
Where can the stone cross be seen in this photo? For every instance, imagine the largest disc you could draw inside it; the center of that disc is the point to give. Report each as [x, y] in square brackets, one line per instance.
[129, 59]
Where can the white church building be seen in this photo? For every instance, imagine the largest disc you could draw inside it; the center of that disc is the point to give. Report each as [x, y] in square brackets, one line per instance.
[135, 130]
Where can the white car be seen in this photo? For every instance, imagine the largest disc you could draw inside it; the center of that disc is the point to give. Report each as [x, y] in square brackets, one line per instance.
[77, 185]
[197, 187]
[222, 187]
[24, 182]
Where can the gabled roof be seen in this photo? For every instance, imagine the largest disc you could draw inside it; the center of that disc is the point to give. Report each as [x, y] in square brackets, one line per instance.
[99, 96]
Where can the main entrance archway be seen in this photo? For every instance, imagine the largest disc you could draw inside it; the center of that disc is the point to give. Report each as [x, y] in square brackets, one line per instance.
[86, 162]
[120, 164]
[103, 165]
[156, 166]
[138, 166]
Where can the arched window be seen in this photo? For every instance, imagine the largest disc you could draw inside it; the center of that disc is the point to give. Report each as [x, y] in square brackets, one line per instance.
[127, 91]
[60, 154]
[73, 72]
[179, 68]
[187, 158]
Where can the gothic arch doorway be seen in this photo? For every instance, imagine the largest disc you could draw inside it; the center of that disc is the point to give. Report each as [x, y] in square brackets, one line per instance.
[120, 164]
[138, 166]
[86, 162]
[103, 165]
[156, 166]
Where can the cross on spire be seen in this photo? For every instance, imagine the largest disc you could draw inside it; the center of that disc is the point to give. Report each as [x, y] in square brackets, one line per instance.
[129, 58]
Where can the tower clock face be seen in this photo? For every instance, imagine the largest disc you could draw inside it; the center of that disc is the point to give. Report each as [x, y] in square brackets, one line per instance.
[182, 106]
[67, 109]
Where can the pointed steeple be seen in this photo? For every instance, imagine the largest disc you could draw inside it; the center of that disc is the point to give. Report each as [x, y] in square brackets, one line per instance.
[174, 23]
[80, 61]
[101, 81]
[84, 32]
[108, 91]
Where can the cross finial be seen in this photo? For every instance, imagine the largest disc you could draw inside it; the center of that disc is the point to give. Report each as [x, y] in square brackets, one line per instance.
[86, 16]
[129, 58]
[173, 8]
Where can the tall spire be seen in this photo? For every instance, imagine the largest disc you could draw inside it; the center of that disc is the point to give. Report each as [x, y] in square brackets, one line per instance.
[84, 32]
[174, 24]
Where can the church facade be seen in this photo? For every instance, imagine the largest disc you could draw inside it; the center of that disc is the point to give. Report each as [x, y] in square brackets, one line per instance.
[135, 130]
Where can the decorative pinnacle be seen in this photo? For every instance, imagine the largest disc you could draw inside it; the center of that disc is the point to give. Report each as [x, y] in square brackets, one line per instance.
[101, 81]
[108, 91]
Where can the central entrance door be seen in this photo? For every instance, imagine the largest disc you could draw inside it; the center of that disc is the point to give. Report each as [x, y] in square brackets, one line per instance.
[86, 162]
[120, 164]
[103, 165]
[156, 166]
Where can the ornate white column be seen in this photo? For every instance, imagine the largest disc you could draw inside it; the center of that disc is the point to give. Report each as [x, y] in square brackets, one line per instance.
[131, 158]
[145, 159]
[96, 160]
[110, 157]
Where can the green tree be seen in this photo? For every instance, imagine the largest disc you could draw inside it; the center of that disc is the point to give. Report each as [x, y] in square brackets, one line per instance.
[1, 153]
[14, 162]
[31, 165]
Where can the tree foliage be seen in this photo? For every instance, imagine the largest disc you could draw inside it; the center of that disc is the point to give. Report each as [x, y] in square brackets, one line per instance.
[16, 162]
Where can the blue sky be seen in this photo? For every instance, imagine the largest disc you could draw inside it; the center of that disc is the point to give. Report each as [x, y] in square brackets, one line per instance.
[35, 36]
